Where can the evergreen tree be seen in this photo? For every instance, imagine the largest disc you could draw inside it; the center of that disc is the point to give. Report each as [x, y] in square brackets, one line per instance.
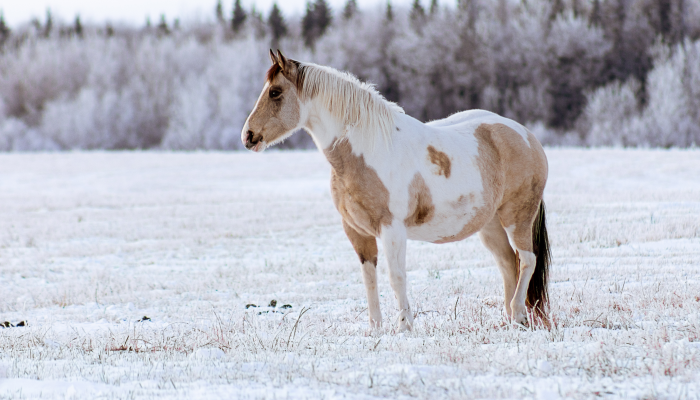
[434, 7]
[315, 22]
[78, 27]
[256, 20]
[239, 16]
[664, 13]
[417, 15]
[49, 24]
[678, 27]
[308, 25]
[576, 7]
[350, 9]
[595, 18]
[4, 30]
[277, 25]
[557, 8]
[219, 12]
[163, 26]
[389, 11]
[417, 10]
[323, 16]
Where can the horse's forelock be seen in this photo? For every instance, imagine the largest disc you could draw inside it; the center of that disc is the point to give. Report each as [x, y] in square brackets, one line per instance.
[300, 75]
[272, 72]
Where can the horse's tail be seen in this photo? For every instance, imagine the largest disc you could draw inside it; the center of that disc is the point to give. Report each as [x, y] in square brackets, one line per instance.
[537, 295]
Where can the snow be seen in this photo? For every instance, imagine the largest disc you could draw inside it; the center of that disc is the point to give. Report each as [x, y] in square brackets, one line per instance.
[90, 243]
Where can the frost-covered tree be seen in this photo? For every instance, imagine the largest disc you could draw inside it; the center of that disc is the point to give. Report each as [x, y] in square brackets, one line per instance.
[577, 57]
[618, 81]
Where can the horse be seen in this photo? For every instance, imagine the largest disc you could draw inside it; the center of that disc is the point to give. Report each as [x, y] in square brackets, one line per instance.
[395, 178]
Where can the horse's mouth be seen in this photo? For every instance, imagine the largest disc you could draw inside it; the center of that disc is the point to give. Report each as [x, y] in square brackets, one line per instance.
[259, 147]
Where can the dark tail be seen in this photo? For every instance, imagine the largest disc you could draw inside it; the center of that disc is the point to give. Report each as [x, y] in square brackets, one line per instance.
[537, 295]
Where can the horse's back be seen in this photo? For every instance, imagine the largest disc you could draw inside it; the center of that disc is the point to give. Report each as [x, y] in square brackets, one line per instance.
[468, 121]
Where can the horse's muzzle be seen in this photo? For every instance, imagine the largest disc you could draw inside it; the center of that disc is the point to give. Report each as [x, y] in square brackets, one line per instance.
[252, 141]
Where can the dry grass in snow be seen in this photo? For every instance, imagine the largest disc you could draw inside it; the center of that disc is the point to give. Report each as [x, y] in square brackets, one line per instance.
[90, 243]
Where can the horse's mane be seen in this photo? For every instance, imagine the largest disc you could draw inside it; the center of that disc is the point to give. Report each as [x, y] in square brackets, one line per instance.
[358, 105]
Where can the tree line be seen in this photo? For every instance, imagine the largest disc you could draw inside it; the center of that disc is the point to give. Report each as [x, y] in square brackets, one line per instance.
[576, 72]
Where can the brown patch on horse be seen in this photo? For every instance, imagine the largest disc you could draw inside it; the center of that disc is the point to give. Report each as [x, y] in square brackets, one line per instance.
[525, 175]
[420, 202]
[358, 193]
[365, 246]
[463, 201]
[441, 160]
[492, 175]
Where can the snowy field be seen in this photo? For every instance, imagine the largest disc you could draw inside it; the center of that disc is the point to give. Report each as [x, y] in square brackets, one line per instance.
[90, 243]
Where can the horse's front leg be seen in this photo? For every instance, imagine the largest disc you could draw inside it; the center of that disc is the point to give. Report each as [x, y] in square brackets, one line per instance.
[394, 241]
[366, 249]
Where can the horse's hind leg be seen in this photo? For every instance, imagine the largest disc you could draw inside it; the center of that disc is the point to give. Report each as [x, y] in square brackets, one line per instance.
[494, 237]
[366, 249]
[520, 235]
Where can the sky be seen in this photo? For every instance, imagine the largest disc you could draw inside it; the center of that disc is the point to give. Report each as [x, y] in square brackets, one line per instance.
[135, 11]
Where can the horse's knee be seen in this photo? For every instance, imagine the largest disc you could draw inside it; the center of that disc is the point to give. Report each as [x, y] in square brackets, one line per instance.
[365, 246]
[527, 262]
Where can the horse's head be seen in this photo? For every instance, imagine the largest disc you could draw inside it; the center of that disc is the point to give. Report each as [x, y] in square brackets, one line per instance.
[277, 113]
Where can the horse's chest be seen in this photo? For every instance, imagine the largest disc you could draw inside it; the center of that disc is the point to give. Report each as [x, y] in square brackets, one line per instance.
[362, 201]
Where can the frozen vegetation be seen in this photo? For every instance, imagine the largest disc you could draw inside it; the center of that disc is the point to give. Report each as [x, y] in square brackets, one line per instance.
[598, 73]
[90, 243]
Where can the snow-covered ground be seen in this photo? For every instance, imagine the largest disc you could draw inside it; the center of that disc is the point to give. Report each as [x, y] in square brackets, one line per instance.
[90, 243]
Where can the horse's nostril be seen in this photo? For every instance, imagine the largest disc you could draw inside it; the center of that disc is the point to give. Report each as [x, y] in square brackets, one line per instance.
[249, 138]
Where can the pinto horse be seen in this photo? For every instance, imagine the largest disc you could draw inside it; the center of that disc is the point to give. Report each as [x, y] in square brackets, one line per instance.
[396, 178]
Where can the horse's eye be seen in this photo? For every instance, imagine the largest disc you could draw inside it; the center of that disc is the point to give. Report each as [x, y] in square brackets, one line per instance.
[275, 93]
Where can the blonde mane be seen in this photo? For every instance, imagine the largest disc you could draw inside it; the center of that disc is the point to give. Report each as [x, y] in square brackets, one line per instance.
[358, 105]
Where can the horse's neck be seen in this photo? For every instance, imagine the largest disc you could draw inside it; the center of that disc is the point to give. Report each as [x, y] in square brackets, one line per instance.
[322, 127]
[327, 131]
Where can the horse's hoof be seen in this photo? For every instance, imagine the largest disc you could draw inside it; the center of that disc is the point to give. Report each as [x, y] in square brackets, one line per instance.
[519, 313]
[404, 322]
[375, 324]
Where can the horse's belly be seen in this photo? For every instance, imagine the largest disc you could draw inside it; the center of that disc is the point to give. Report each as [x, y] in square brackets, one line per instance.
[450, 227]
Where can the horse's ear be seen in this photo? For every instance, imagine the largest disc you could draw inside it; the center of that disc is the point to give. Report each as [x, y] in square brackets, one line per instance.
[273, 57]
[281, 59]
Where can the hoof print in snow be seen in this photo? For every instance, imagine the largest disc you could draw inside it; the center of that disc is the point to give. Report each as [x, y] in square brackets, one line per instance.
[144, 319]
[273, 303]
[247, 306]
[286, 306]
